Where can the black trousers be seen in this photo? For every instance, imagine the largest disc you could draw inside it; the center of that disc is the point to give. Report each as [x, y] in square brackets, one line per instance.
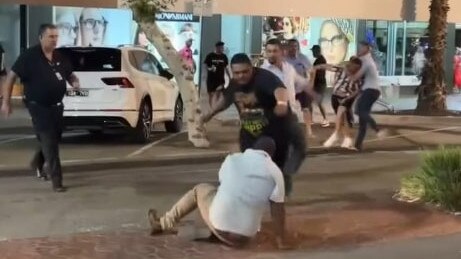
[48, 126]
[363, 110]
[290, 149]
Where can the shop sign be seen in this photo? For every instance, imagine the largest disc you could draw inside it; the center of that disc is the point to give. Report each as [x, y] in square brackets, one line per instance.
[176, 17]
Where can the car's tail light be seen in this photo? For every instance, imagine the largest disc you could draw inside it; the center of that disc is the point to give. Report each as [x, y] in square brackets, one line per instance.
[122, 82]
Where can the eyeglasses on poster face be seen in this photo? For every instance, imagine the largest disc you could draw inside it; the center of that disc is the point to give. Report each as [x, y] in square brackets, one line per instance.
[67, 28]
[92, 23]
[335, 41]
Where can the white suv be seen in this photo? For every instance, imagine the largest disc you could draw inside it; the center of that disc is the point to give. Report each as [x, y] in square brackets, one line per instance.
[121, 88]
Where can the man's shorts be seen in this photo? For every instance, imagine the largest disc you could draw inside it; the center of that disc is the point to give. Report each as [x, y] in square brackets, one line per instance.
[337, 101]
[304, 99]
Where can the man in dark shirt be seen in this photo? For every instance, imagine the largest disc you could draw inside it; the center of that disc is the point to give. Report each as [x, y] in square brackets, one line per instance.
[320, 83]
[216, 63]
[44, 73]
[262, 102]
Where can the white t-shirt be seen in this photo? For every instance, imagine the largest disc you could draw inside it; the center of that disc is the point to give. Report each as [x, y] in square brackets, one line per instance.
[248, 182]
[290, 78]
[370, 73]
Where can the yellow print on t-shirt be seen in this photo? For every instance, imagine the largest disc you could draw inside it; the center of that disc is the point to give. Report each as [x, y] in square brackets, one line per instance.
[253, 119]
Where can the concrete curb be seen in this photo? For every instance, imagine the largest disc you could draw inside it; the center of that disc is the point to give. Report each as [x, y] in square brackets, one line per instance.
[118, 164]
[217, 157]
[411, 122]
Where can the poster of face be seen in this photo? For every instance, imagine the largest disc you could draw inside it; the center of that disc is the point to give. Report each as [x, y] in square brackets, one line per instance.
[183, 30]
[92, 26]
[287, 28]
[336, 37]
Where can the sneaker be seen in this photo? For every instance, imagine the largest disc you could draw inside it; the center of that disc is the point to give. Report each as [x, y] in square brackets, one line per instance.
[382, 134]
[348, 143]
[60, 189]
[352, 148]
[325, 124]
[156, 227]
[41, 175]
[331, 141]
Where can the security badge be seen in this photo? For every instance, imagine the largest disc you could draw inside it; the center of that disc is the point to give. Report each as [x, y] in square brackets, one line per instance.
[58, 75]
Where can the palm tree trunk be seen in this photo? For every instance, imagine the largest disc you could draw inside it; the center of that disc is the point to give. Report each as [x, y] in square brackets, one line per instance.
[432, 91]
[184, 78]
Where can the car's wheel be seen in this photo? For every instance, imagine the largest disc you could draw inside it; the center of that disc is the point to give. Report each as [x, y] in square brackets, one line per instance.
[143, 130]
[175, 125]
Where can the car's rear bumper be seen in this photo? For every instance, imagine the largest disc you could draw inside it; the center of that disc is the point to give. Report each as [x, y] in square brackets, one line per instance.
[94, 120]
[95, 123]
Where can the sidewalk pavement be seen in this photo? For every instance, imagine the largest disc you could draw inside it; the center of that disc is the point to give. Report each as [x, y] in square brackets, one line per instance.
[176, 149]
[223, 135]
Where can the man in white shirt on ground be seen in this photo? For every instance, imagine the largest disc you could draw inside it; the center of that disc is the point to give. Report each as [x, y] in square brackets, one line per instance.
[249, 183]
[370, 93]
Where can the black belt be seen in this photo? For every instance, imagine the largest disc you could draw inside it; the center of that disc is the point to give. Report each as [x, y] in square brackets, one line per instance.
[59, 104]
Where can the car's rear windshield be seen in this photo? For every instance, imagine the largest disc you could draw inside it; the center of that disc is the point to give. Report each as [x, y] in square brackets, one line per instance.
[93, 59]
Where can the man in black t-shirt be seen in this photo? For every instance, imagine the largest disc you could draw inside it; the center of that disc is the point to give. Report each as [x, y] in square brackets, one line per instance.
[262, 102]
[216, 63]
[44, 73]
[320, 83]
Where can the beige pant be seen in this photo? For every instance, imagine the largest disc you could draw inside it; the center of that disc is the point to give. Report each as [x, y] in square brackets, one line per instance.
[201, 197]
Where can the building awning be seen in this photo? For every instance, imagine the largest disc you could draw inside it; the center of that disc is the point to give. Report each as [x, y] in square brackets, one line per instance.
[89, 3]
[410, 10]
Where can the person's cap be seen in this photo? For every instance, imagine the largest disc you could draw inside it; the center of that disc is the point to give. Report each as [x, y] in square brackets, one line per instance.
[316, 47]
[219, 44]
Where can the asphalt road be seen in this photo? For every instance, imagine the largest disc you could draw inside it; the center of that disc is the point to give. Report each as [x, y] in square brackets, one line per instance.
[114, 199]
[17, 143]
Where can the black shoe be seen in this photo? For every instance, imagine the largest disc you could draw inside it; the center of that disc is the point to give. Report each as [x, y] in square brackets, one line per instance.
[41, 175]
[60, 189]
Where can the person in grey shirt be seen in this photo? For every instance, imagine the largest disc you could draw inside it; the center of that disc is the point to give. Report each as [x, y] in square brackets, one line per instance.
[370, 93]
[302, 66]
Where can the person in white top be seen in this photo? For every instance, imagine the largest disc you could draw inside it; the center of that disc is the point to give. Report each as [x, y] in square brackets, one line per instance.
[275, 62]
[303, 66]
[250, 182]
[370, 93]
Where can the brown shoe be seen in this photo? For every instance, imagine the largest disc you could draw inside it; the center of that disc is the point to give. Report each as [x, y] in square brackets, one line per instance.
[156, 227]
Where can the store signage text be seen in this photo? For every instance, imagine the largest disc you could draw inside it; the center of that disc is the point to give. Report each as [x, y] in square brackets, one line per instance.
[176, 17]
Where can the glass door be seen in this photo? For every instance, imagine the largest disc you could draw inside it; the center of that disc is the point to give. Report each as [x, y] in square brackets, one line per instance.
[407, 45]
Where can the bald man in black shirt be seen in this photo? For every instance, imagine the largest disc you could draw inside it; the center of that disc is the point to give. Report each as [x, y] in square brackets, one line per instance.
[262, 101]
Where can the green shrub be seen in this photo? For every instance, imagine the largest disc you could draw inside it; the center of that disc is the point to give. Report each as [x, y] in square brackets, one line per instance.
[437, 181]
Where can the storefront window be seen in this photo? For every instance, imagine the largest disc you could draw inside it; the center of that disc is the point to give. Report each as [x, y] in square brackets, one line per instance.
[377, 34]
[236, 33]
[9, 34]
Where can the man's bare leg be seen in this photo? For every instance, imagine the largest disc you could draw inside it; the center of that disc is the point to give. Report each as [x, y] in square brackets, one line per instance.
[346, 130]
[338, 126]
[308, 122]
